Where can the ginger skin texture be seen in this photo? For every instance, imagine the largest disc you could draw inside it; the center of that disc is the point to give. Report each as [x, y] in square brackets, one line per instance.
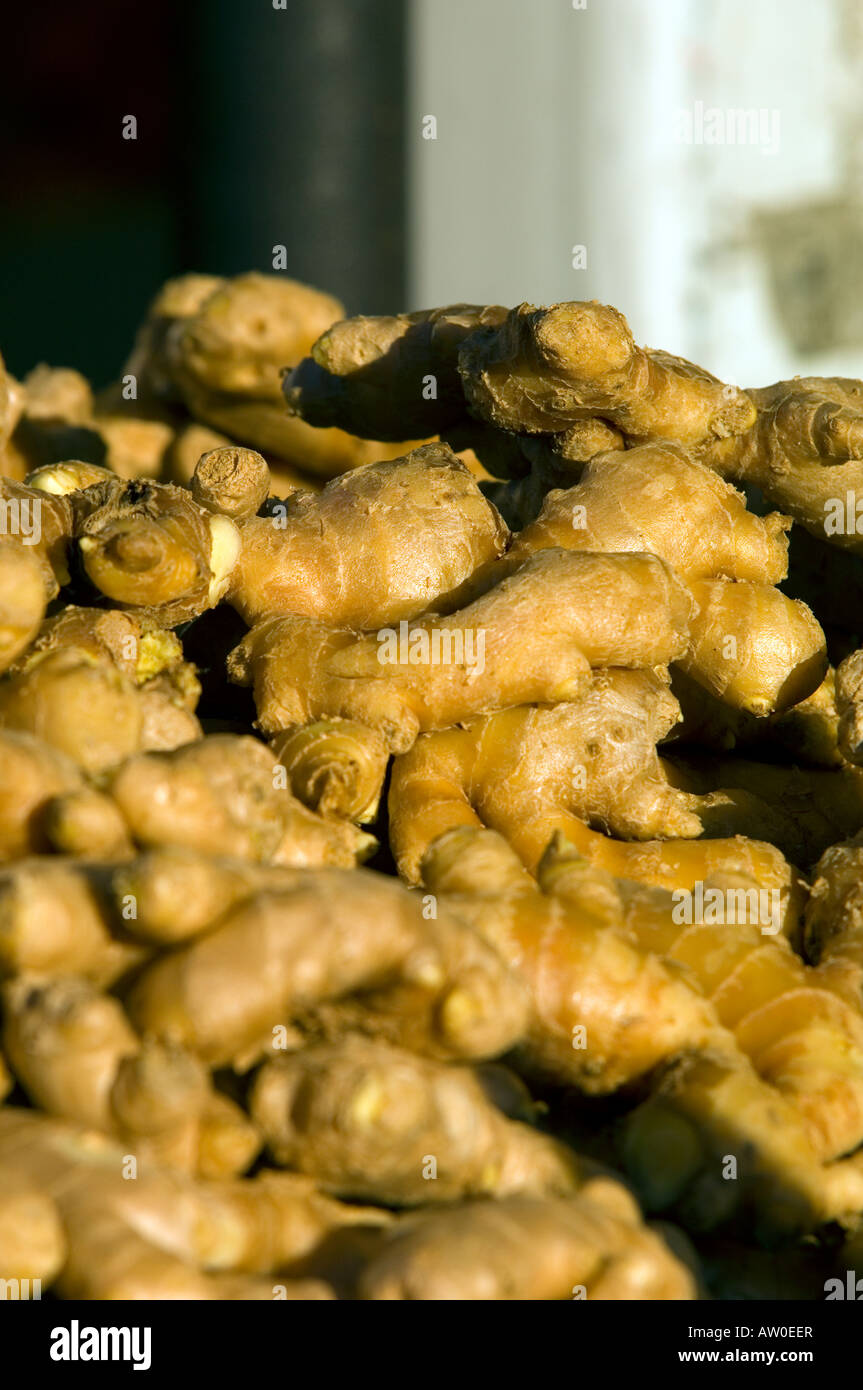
[542, 629]
[559, 635]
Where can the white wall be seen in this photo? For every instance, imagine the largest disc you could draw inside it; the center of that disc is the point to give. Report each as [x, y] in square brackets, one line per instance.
[559, 126]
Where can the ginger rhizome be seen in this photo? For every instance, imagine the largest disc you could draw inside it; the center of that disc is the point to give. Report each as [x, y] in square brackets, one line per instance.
[617, 715]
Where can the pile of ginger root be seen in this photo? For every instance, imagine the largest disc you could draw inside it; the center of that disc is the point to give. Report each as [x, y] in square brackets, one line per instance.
[431, 813]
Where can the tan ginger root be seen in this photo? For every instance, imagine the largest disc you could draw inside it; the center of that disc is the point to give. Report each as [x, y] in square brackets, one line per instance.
[751, 646]
[100, 686]
[435, 983]
[91, 711]
[656, 498]
[849, 706]
[592, 1246]
[833, 928]
[804, 452]
[22, 601]
[228, 792]
[376, 1123]
[543, 370]
[534, 636]
[769, 1039]
[41, 525]
[383, 543]
[54, 920]
[33, 774]
[593, 757]
[151, 549]
[75, 1053]
[32, 1242]
[373, 376]
[225, 359]
[165, 1235]
[335, 767]
[529, 773]
[530, 371]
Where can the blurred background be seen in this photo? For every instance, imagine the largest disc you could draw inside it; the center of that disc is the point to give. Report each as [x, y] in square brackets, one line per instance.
[695, 162]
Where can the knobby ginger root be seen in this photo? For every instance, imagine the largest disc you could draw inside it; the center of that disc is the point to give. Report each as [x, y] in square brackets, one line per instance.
[656, 498]
[164, 1235]
[377, 1123]
[22, 601]
[150, 549]
[91, 711]
[76, 1055]
[224, 352]
[333, 934]
[593, 1246]
[228, 792]
[803, 451]
[383, 543]
[334, 766]
[368, 375]
[642, 989]
[534, 636]
[532, 773]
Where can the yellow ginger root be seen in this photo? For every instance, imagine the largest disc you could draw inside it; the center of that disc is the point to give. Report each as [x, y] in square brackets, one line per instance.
[593, 757]
[604, 1011]
[383, 543]
[88, 709]
[534, 636]
[167, 686]
[373, 376]
[225, 359]
[752, 647]
[833, 925]
[40, 524]
[592, 1246]
[335, 767]
[32, 1243]
[620, 983]
[177, 300]
[165, 1235]
[234, 482]
[376, 1123]
[54, 920]
[225, 995]
[543, 370]
[33, 774]
[228, 793]
[804, 452]
[22, 601]
[61, 421]
[529, 773]
[151, 549]
[656, 498]
[75, 1053]
[849, 706]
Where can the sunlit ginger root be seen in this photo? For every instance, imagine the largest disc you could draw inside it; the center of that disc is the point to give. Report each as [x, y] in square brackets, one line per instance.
[166, 1235]
[75, 1053]
[383, 543]
[594, 1245]
[285, 952]
[533, 637]
[377, 1123]
[804, 451]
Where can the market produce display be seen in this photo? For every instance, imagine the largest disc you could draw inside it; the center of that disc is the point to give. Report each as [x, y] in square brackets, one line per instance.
[431, 813]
